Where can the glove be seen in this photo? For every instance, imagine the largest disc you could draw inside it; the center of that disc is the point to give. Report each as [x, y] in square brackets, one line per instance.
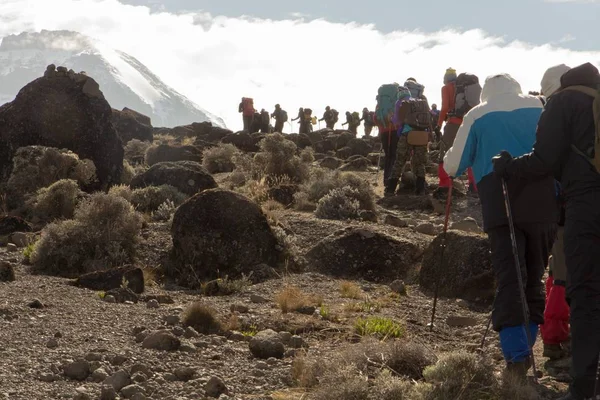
[501, 164]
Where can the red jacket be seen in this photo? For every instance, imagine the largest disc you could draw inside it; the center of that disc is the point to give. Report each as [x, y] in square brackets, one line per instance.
[448, 94]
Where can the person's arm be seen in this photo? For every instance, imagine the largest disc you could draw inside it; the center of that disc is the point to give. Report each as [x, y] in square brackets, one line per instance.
[241, 107]
[462, 154]
[551, 146]
[445, 106]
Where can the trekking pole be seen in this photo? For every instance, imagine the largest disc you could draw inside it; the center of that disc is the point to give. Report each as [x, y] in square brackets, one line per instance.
[487, 330]
[515, 250]
[444, 244]
[379, 158]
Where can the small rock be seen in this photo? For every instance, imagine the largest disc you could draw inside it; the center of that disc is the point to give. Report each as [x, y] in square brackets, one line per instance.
[285, 337]
[7, 272]
[138, 329]
[48, 377]
[239, 308]
[297, 342]
[258, 299]
[12, 248]
[467, 225]
[187, 347]
[161, 340]
[462, 303]
[178, 331]
[235, 336]
[35, 303]
[215, 387]
[93, 357]
[457, 321]
[426, 228]
[130, 390]
[77, 370]
[266, 344]
[99, 375]
[139, 377]
[20, 239]
[272, 361]
[190, 333]
[108, 393]
[290, 353]
[306, 310]
[262, 365]
[258, 373]
[172, 320]
[82, 396]
[118, 380]
[169, 377]
[368, 216]
[398, 286]
[58, 335]
[141, 368]
[52, 343]
[139, 338]
[118, 360]
[184, 373]
[395, 221]
[152, 303]
[110, 298]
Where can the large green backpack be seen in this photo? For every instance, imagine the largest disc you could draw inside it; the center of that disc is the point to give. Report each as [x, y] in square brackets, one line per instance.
[356, 118]
[387, 95]
[591, 154]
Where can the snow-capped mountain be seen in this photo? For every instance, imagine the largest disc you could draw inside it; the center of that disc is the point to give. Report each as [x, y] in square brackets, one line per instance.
[125, 81]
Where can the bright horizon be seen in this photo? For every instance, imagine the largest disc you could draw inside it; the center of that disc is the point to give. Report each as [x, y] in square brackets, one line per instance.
[297, 62]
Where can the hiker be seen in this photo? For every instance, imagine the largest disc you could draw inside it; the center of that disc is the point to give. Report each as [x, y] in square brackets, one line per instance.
[301, 119]
[453, 117]
[246, 107]
[387, 94]
[306, 125]
[328, 117]
[435, 116]
[265, 121]
[506, 120]
[256, 123]
[367, 117]
[281, 118]
[416, 89]
[409, 130]
[353, 122]
[567, 139]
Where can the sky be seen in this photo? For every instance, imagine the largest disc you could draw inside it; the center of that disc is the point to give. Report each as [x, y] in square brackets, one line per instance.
[322, 52]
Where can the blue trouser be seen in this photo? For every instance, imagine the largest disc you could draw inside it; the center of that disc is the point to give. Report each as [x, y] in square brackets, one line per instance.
[514, 343]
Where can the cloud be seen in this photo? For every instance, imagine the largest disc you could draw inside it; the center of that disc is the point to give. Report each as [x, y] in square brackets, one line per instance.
[573, 1]
[216, 60]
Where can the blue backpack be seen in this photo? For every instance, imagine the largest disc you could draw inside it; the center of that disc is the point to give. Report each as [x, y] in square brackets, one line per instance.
[387, 95]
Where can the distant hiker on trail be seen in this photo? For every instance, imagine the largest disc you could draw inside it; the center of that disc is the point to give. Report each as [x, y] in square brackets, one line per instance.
[468, 96]
[256, 123]
[305, 118]
[368, 118]
[281, 118]
[353, 122]
[300, 118]
[387, 94]
[413, 119]
[435, 116]
[247, 109]
[265, 121]
[330, 117]
[567, 148]
[506, 120]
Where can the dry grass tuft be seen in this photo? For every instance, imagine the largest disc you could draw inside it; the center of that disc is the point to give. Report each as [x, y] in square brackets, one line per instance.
[202, 318]
[57, 201]
[350, 290]
[291, 298]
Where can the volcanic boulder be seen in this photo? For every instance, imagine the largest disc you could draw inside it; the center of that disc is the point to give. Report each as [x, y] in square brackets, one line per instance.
[131, 124]
[466, 271]
[221, 233]
[167, 152]
[365, 254]
[187, 176]
[63, 110]
[115, 278]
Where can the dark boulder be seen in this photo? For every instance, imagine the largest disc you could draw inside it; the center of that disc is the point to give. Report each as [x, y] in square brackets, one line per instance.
[283, 194]
[166, 152]
[360, 253]
[131, 124]
[63, 110]
[330, 163]
[356, 163]
[123, 294]
[359, 147]
[7, 272]
[467, 268]
[244, 141]
[10, 225]
[130, 277]
[220, 233]
[187, 176]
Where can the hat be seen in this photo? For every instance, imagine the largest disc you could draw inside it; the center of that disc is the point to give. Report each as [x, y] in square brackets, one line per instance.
[403, 92]
[450, 75]
[551, 79]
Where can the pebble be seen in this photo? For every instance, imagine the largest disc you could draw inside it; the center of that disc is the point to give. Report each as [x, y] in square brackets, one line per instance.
[139, 377]
[153, 304]
[117, 360]
[110, 298]
[398, 286]
[99, 375]
[235, 336]
[12, 248]
[35, 303]
[190, 333]
[258, 299]
[52, 343]
[118, 380]
[172, 320]
[297, 342]
[285, 337]
[48, 377]
[77, 370]
[239, 308]
[93, 357]
[178, 331]
[215, 387]
[131, 390]
[184, 373]
[108, 393]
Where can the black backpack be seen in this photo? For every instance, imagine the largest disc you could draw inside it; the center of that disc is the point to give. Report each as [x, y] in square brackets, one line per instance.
[336, 115]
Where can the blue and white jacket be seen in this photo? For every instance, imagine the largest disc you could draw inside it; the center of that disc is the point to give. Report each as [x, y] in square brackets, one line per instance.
[505, 120]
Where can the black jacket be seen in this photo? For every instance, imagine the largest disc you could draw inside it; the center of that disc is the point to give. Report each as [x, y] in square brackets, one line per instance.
[567, 120]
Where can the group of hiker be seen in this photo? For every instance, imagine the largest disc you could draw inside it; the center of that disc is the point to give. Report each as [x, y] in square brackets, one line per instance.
[261, 122]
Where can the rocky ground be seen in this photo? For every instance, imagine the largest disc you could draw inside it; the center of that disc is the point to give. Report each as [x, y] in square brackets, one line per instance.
[61, 341]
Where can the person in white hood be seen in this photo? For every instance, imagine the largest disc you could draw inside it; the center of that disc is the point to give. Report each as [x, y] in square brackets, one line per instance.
[506, 120]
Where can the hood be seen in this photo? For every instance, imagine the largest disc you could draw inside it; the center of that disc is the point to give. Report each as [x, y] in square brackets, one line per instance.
[416, 89]
[586, 75]
[500, 84]
[551, 79]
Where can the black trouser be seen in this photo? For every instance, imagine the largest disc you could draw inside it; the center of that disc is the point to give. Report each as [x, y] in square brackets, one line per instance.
[534, 243]
[368, 129]
[582, 254]
[390, 145]
[265, 128]
[330, 124]
[278, 126]
[248, 122]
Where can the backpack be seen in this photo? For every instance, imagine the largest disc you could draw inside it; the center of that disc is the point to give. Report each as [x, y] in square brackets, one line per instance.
[387, 95]
[592, 154]
[355, 118]
[336, 115]
[283, 115]
[416, 89]
[265, 117]
[307, 114]
[467, 94]
[248, 106]
[416, 113]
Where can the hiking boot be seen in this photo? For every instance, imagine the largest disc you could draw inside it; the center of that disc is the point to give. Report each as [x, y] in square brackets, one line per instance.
[420, 186]
[554, 351]
[518, 370]
[390, 187]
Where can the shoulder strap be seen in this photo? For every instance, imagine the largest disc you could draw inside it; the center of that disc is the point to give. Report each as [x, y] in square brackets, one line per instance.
[584, 89]
[595, 93]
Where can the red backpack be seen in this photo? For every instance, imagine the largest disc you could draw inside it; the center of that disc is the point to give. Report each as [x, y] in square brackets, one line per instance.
[248, 107]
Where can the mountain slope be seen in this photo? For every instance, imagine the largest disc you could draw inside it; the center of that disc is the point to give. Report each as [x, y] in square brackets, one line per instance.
[124, 80]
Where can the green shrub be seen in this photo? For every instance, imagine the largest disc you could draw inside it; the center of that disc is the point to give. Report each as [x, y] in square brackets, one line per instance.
[307, 155]
[152, 197]
[277, 158]
[135, 151]
[219, 158]
[164, 212]
[122, 191]
[339, 204]
[378, 326]
[57, 201]
[127, 174]
[104, 233]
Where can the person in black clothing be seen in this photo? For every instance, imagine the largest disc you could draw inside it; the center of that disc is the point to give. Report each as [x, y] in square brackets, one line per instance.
[279, 116]
[265, 121]
[304, 122]
[367, 116]
[566, 132]
[328, 118]
[256, 123]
